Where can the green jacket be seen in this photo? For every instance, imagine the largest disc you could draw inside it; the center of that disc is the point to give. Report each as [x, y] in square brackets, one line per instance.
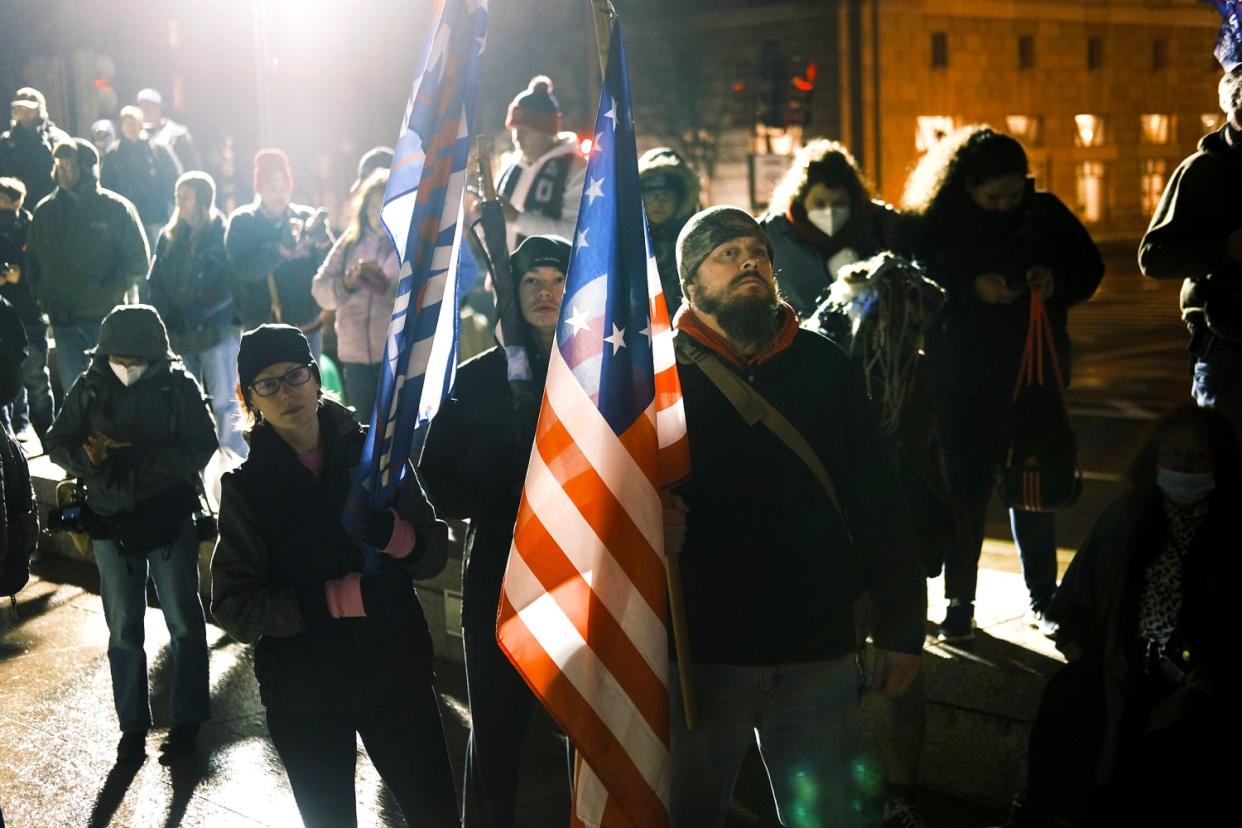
[163, 416]
[84, 251]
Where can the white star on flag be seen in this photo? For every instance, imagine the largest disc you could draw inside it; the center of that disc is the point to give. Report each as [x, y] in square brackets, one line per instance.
[593, 192]
[582, 237]
[611, 114]
[578, 321]
[617, 340]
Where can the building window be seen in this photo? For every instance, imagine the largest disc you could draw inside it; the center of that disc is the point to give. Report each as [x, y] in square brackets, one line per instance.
[939, 50]
[1154, 174]
[932, 129]
[1026, 51]
[1090, 130]
[1155, 129]
[1095, 52]
[1091, 191]
[1159, 55]
[1211, 121]
[1029, 129]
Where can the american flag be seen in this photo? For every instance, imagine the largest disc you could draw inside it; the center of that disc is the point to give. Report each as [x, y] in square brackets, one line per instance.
[422, 213]
[584, 605]
[1228, 49]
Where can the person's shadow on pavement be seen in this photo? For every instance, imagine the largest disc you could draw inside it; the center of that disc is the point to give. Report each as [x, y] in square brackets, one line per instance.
[113, 793]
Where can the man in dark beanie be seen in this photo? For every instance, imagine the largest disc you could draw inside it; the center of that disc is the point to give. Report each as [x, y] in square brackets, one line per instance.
[793, 511]
[541, 184]
[473, 466]
[275, 247]
[86, 249]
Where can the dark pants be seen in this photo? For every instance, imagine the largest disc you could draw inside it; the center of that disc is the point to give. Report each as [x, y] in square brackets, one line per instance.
[501, 708]
[34, 403]
[1064, 747]
[405, 741]
[972, 447]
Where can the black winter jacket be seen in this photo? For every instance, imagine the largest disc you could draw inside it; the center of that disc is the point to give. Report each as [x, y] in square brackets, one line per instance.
[474, 466]
[190, 285]
[281, 539]
[252, 241]
[26, 154]
[164, 417]
[977, 345]
[1198, 211]
[14, 228]
[145, 173]
[1097, 603]
[770, 570]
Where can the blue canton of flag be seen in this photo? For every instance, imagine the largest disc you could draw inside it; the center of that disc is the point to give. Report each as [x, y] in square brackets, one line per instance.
[422, 213]
[605, 333]
[1229, 42]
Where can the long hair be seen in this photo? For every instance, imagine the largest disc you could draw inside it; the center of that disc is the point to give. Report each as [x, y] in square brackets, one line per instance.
[967, 156]
[204, 188]
[376, 182]
[820, 162]
[1221, 435]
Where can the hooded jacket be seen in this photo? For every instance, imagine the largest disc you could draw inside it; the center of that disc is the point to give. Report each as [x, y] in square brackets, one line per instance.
[163, 416]
[664, 161]
[191, 285]
[474, 466]
[85, 249]
[281, 539]
[1196, 214]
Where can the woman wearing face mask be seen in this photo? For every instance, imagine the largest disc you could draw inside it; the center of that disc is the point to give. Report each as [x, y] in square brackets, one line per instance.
[136, 430]
[823, 217]
[358, 280]
[988, 237]
[1146, 623]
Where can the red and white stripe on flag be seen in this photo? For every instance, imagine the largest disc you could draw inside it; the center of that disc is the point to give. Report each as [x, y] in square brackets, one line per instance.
[583, 612]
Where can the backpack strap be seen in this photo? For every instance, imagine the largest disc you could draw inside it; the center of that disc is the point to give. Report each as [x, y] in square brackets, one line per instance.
[755, 408]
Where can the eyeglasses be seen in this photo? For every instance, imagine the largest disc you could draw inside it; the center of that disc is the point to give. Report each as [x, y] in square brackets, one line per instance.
[294, 376]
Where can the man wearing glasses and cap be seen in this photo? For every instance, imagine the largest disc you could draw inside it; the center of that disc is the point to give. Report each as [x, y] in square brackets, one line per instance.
[26, 148]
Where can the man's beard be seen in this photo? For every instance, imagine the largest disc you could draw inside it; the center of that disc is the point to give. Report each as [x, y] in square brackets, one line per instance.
[749, 321]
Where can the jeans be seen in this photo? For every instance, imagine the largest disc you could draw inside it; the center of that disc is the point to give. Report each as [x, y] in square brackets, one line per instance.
[72, 343]
[34, 403]
[501, 707]
[1218, 378]
[360, 385]
[123, 588]
[216, 369]
[972, 447]
[404, 740]
[805, 717]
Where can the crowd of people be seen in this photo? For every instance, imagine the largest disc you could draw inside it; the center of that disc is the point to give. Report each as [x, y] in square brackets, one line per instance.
[852, 376]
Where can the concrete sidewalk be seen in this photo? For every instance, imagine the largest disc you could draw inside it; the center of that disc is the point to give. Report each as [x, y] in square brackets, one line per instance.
[59, 731]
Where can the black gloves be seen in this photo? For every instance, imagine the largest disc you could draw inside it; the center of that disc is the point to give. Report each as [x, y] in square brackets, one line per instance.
[120, 463]
[375, 528]
[387, 591]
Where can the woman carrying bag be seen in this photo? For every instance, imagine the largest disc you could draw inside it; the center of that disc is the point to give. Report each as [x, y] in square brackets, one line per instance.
[136, 431]
[991, 240]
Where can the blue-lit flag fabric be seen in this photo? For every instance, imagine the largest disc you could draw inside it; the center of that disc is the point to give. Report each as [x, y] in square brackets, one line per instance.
[584, 604]
[1229, 43]
[422, 213]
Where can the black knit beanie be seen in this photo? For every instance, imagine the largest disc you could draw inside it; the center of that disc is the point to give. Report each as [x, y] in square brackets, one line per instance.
[267, 345]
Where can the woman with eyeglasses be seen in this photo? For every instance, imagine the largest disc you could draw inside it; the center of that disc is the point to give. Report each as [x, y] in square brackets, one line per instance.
[341, 644]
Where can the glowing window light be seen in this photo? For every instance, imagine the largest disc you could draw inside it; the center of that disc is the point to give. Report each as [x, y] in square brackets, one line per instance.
[1090, 130]
[1155, 129]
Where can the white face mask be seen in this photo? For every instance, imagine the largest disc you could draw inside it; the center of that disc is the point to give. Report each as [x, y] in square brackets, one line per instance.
[829, 219]
[1185, 487]
[128, 374]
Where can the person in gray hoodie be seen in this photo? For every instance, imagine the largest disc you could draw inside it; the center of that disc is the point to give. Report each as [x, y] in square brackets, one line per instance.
[85, 250]
[136, 431]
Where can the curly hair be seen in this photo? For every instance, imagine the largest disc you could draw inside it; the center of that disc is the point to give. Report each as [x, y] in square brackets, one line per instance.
[820, 162]
[967, 156]
[375, 184]
[1230, 91]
